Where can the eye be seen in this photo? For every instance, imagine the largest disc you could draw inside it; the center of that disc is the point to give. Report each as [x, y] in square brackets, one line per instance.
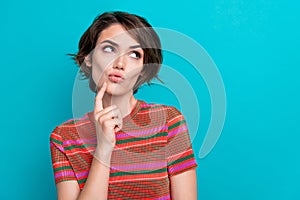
[135, 54]
[108, 49]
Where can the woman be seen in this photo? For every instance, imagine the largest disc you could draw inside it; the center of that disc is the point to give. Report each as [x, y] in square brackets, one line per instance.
[125, 148]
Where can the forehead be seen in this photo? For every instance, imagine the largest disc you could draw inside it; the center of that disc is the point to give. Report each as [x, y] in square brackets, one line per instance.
[118, 34]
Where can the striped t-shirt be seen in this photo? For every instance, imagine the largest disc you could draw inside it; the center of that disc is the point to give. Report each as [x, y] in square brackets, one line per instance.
[153, 145]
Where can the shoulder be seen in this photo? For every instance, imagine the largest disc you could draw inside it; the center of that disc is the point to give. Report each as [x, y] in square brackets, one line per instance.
[70, 129]
[169, 111]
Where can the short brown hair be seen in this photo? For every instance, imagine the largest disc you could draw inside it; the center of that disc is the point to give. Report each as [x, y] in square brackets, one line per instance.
[138, 28]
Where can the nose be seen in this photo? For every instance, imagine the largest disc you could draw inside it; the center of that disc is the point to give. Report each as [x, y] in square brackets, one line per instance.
[120, 62]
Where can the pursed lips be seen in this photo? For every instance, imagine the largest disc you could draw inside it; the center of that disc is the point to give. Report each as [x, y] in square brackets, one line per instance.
[115, 77]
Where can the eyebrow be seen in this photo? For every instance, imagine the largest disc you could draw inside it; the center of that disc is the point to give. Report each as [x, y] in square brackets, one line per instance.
[115, 44]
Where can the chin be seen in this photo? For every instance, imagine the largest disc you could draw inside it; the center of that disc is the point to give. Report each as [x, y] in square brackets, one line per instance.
[118, 90]
[114, 90]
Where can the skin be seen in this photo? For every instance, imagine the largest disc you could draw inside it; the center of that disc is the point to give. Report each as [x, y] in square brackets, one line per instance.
[116, 52]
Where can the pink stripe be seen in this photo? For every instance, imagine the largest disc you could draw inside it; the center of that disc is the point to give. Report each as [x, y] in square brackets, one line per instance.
[82, 174]
[144, 105]
[144, 166]
[68, 173]
[143, 132]
[180, 167]
[59, 147]
[177, 130]
[164, 197]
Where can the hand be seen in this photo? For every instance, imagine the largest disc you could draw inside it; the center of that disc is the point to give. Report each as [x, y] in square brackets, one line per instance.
[107, 122]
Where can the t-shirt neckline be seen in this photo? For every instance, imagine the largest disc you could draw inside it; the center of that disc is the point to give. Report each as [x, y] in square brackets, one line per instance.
[128, 117]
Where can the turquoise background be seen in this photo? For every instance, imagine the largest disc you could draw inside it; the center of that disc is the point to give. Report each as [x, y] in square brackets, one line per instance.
[255, 45]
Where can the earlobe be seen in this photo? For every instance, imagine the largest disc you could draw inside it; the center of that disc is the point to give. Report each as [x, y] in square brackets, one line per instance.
[88, 60]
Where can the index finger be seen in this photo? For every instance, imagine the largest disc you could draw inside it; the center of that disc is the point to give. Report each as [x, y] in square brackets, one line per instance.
[99, 97]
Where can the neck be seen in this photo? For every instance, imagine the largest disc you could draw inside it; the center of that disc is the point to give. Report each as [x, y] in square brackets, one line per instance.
[125, 102]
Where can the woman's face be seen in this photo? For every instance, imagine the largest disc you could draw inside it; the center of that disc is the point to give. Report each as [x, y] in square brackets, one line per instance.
[117, 60]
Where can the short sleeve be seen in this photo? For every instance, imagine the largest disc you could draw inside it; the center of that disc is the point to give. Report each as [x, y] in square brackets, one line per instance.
[180, 155]
[62, 168]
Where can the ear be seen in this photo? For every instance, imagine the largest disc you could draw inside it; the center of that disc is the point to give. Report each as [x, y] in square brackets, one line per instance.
[88, 60]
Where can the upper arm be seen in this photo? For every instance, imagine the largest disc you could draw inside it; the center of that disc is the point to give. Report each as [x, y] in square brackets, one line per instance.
[184, 185]
[62, 168]
[67, 190]
[179, 152]
[66, 182]
[180, 158]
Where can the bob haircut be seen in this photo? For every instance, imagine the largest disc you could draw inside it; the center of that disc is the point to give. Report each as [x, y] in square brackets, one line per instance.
[138, 28]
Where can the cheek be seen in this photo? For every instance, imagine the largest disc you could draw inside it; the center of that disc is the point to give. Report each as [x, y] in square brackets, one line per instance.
[97, 73]
[102, 61]
[133, 75]
[134, 67]
[98, 68]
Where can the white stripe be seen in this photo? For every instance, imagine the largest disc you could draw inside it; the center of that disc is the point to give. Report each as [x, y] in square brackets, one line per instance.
[57, 163]
[175, 118]
[179, 154]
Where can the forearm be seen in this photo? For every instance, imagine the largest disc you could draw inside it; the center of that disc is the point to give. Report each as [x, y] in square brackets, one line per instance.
[96, 186]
